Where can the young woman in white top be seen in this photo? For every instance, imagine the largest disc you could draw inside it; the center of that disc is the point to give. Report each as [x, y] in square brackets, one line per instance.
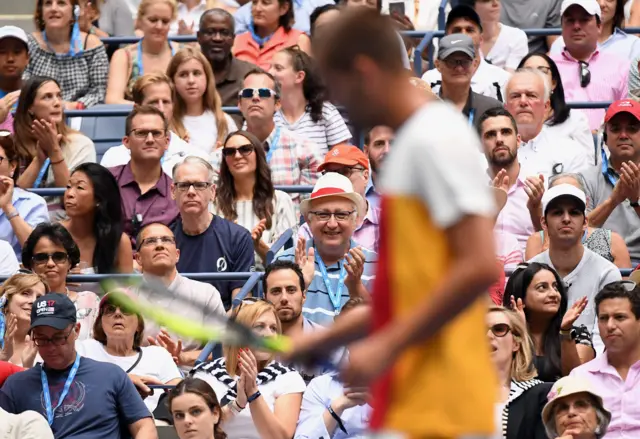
[304, 109]
[17, 295]
[560, 118]
[260, 397]
[197, 112]
[503, 46]
[195, 410]
[245, 193]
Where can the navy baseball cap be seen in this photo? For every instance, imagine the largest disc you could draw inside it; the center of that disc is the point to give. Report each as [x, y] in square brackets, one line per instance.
[55, 310]
[463, 11]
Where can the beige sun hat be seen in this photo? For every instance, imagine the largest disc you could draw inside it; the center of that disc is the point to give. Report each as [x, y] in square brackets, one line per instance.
[333, 184]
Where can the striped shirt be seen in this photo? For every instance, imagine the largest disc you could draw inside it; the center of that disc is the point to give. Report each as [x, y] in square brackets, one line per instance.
[317, 306]
[329, 131]
[283, 218]
[609, 76]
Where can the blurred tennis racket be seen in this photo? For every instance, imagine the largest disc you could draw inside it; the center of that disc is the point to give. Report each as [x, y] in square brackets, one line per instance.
[229, 332]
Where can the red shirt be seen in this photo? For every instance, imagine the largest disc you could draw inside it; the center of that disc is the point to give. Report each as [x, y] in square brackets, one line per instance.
[6, 370]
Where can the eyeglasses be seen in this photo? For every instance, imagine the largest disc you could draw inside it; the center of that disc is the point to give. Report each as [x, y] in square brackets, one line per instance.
[347, 171]
[184, 186]
[109, 310]
[326, 216]
[43, 258]
[244, 151]
[500, 329]
[585, 74]
[142, 134]
[453, 63]
[154, 240]
[56, 340]
[262, 93]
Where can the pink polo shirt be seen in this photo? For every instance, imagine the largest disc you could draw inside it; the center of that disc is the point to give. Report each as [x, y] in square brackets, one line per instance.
[514, 218]
[609, 76]
[245, 47]
[621, 398]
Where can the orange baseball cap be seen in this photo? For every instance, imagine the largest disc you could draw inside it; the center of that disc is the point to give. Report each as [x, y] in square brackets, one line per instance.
[347, 155]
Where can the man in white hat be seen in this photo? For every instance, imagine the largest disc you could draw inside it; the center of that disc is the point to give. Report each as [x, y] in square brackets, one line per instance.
[587, 73]
[583, 271]
[14, 57]
[334, 268]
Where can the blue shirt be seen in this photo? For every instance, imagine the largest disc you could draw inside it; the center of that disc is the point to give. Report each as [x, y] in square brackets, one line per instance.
[302, 9]
[372, 196]
[318, 307]
[101, 404]
[3, 94]
[31, 207]
[223, 247]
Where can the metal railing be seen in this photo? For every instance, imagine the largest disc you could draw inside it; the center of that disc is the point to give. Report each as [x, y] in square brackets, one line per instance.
[59, 191]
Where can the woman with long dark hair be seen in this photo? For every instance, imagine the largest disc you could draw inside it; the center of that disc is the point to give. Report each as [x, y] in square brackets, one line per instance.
[195, 409]
[245, 193]
[94, 211]
[304, 108]
[537, 293]
[47, 147]
[560, 118]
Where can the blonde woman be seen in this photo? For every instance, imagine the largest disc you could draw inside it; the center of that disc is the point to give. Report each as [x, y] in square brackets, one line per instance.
[17, 295]
[521, 397]
[197, 112]
[152, 53]
[260, 397]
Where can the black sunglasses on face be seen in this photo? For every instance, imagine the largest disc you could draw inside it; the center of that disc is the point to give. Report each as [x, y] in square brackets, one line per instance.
[585, 74]
[500, 329]
[244, 151]
[43, 258]
[263, 93]
[110, 309]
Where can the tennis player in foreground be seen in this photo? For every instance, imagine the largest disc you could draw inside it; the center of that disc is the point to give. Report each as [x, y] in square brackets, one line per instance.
[423, 343]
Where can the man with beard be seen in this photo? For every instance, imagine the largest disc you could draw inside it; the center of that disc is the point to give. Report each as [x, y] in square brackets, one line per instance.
[215, 37]
[376, 146]
[521, 215]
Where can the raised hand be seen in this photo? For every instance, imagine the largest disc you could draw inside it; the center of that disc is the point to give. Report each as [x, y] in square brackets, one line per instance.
[306, 260]
[6, 191]
[534, 187]
[573, 313]
[249, 368]
[354, 263]
[518, 307]
[47, 137]
[174, 347]
[29, 353]
[256, 233]
[6, 103]
[501, 180]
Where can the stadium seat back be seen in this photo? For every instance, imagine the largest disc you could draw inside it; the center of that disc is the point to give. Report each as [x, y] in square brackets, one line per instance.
[105, 131]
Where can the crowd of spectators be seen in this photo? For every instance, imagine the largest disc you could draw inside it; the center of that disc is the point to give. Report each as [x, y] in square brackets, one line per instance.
[192, 189]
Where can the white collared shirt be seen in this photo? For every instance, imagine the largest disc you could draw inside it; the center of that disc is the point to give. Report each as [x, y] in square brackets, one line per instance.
[190, 17]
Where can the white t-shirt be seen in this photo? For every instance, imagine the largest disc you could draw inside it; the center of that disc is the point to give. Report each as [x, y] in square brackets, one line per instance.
[488, 80]
[8, 262]
[178, 150]
[203, 130]
[576, 128]
[550, 154]
[510, 47]
[241, 425]
[155, 362]
[591, 274]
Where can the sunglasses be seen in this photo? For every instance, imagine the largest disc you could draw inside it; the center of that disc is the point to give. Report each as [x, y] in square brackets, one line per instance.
[110, 309]
[244, 151]
[585, 74]
[247, 301]
[262, 93]
[500, 329]
[43, 258]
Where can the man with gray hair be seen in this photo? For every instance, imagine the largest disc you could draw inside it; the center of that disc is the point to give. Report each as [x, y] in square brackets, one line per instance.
[207, 243]
[528, 100]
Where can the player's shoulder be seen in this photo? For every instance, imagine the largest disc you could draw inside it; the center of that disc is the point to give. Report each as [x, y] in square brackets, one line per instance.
[435, 122]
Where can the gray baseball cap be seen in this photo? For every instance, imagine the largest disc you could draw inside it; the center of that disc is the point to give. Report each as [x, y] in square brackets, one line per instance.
[454, 43]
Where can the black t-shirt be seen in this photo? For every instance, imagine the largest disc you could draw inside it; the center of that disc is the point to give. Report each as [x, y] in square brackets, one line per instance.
[101, 404]
[223, 247]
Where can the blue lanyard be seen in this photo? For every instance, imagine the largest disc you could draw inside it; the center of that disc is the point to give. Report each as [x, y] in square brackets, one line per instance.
[75, 47]
[261, 41]
[606, 172]
[472, 115]
[44, 168]
[65, 390]
[139, 57]
[335, 296]
[273, 145]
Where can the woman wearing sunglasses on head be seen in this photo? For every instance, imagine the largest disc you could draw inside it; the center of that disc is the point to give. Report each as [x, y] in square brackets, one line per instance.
[197, 112]
[17, 295]
[195, 410]
[521, 397]
[260, 397]
[245, 193]
[538, 294]
[304, 109]
[51, 252]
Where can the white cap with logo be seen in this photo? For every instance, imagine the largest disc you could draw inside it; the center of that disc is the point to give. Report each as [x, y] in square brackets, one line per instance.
[563, 190]
[14, 32]
[591, 6]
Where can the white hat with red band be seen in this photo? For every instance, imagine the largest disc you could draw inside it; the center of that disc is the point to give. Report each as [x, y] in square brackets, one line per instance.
[333, 184]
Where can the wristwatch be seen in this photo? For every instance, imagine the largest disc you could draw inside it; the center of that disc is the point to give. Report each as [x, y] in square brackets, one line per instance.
[570, 334]
[634, 203]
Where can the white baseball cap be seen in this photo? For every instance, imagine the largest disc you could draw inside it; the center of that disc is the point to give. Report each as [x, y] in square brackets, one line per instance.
[563, 190]
[14, 32]
[591, 6]
[333, 184]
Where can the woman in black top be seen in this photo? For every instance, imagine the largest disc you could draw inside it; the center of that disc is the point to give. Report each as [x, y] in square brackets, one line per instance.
[537, 292]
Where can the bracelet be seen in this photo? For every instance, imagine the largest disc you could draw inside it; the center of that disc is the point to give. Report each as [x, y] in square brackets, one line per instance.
[238, 406]
[58, 162]
[235, 407]
[13, 214]
[254, 397]
[335, 416]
